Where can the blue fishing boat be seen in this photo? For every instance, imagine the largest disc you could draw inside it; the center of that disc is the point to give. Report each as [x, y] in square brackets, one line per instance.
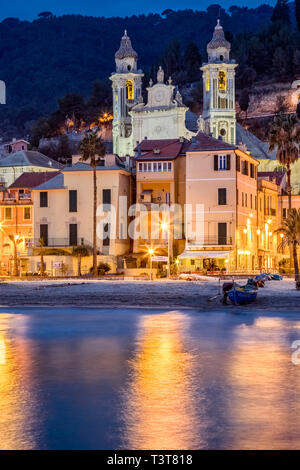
[242, 295]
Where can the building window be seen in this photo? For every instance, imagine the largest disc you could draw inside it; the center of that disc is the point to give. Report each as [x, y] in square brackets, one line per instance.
[238, 163]
[43, 199]
[222, 233]
[44, 234]
[8, 213]
[237, 196]
[221, 162]
[252, 172]
[251, 201]
[155, 167]
[243, 200]
[27, 213]
[106, 196]
[246, 202]
[284, 213]
[73, 235]
[72, 201]
[222, 196]
[106, 233]
[245, 167]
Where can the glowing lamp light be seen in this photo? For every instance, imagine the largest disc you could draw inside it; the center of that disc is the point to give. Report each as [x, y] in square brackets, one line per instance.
[251, 215]
[151, 251]
[226, 261]
[269, 221]
[281, 235]
[245, 230]
[164, 225]
[177, 261]
[258, 231]
[270, 234]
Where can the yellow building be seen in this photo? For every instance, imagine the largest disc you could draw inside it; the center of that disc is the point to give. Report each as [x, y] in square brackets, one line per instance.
[160, 184]
[16, 221]
[221, 187]
[24, 161]
[63, 216]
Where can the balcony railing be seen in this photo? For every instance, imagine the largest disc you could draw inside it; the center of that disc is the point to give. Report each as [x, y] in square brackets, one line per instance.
[59, 242]
[211, 241]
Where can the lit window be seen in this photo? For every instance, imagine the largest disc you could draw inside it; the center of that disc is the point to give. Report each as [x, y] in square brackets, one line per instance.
[8, 213]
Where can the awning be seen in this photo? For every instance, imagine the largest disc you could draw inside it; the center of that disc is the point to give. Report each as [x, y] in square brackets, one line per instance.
[204, 254]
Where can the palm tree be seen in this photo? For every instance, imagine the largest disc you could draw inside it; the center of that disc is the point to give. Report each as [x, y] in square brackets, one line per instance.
[79, 252]
[91, 148]
[16, 240]
[291, 236]
[285, 136]
[42, 244]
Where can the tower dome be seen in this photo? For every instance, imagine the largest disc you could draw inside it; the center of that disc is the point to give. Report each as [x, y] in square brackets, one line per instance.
[218, 48]
[126, 57]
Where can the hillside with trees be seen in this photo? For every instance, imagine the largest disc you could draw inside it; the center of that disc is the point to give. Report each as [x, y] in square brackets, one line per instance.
[45, 60]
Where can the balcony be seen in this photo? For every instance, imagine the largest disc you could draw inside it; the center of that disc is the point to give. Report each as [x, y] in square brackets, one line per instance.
[13, 198]
[210, 241]
[59, 243]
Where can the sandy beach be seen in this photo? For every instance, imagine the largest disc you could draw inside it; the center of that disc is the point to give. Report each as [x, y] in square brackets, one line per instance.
[276, 296]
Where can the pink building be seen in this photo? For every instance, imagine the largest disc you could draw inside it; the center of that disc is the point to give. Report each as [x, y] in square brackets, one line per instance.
[16, 145]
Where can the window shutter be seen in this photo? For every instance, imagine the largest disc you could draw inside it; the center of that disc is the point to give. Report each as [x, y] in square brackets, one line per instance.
[106, 196]
[216, 158]
[228, 162]
[73, 200]
[222, 196]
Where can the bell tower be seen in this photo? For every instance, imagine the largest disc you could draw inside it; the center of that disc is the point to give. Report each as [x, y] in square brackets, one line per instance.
[127, 92]
[219, 115]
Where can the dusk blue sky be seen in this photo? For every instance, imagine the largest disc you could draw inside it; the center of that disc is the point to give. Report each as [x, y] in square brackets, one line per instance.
[29, 9]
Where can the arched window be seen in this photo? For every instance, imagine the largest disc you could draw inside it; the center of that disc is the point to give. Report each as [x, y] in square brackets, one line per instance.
[130, 91]
[222, 80]
[221, 57]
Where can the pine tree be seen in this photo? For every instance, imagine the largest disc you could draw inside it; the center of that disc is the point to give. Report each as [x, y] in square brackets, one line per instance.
[281, 12]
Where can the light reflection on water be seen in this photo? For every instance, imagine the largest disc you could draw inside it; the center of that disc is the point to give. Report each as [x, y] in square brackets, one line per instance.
[159, 411]
[107, 379]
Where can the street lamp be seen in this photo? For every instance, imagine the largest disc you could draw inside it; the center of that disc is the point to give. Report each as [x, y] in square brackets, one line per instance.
[151, 252]
[165, 226]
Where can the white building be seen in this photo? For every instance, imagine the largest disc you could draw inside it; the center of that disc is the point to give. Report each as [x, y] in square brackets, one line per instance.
[219, 115]
[162, 117]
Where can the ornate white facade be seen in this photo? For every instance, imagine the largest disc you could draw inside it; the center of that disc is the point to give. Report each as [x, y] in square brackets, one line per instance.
[127, 92]
[219, 115]
[164, 115]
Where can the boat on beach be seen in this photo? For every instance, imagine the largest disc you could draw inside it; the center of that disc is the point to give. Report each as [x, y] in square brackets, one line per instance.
[240, 295]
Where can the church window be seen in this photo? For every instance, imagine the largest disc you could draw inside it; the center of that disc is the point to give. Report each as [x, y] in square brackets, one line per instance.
[129, 88]
[159, 166]
[222, 80]
[170, 166]
[221, 57]
[207, 82]
[155, 166]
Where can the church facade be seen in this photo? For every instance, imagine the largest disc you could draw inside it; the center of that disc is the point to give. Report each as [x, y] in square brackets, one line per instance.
[162, 117]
